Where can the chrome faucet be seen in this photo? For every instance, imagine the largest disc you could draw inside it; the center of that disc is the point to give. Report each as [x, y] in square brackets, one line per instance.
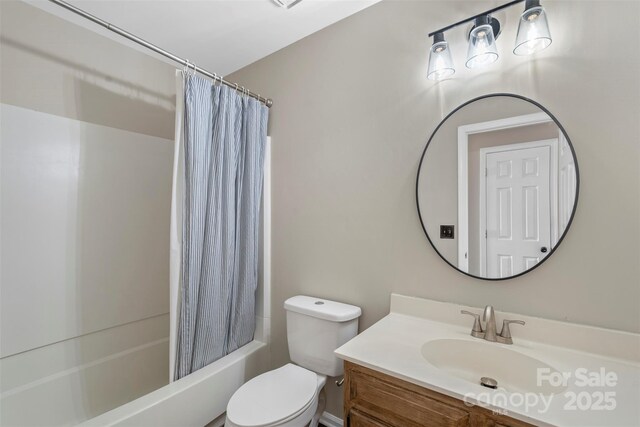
[489, 318]
[489, 331]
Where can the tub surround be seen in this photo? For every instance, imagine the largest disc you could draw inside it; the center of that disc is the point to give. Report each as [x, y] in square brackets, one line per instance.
[395, 346]
[84, 316]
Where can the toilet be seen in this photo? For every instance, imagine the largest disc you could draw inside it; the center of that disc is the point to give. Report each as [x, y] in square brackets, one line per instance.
[292, 395]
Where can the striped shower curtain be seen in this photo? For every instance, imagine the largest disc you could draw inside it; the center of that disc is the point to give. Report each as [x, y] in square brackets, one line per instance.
[218, 175]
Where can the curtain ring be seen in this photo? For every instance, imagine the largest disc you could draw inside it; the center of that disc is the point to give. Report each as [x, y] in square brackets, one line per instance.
[215, 77]
[236, 87]
[187, 66]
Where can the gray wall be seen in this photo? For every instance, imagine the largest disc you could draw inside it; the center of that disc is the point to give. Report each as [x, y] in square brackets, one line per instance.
[353, 110]
[56, 67]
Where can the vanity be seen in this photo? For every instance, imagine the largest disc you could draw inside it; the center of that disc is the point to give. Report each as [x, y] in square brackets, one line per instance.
[376, 399]
[420, 366]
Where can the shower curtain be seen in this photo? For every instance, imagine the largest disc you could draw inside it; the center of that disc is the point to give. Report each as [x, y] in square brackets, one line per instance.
[215, 211]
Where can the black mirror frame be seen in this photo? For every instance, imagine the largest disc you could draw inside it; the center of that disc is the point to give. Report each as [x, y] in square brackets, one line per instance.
[575, 203]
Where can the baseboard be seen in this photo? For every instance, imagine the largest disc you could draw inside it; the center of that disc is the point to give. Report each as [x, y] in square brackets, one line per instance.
[330, 420]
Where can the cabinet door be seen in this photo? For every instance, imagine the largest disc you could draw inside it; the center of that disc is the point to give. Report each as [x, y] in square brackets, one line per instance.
[374, 399]
[400, 407]
[359, 419]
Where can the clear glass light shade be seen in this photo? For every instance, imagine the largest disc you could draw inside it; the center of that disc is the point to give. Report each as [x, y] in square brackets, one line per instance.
[533, 32]
[482, 47]
[440, 62]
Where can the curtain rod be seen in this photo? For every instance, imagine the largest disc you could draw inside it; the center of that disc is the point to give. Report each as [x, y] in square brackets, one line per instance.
[267, 101]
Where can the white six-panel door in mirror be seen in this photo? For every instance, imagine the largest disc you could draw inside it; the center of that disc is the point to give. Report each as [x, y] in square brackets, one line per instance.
[517, 206]
[497, 187]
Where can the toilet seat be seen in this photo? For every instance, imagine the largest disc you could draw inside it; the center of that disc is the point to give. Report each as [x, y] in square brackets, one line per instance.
[274, 397]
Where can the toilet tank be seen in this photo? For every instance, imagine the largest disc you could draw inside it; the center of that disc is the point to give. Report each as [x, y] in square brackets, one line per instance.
[315, 328]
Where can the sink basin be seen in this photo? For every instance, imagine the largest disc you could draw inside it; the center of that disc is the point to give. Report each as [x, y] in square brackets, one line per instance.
[472, 360]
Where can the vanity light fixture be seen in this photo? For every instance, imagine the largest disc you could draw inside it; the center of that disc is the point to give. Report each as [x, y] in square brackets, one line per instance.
[533, 35]
[440, 62]
[533, 29]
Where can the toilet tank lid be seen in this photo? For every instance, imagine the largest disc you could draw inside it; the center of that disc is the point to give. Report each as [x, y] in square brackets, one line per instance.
[322, 308]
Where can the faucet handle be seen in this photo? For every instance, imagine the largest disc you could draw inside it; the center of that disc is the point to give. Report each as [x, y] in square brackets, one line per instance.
[476, 331]
[505, 333]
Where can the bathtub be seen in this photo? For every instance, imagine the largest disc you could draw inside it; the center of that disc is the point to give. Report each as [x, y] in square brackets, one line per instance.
[194, 400]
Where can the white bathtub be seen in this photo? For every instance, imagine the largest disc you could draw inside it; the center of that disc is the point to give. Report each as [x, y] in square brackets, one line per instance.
[194, 400]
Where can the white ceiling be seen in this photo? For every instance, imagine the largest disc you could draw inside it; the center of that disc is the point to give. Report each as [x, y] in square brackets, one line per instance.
[221, 36]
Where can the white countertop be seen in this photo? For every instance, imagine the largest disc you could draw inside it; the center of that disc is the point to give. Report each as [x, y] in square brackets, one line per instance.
[393, 346]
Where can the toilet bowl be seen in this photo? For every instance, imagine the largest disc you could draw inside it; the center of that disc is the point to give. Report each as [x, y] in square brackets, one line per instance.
[293, 395]
[285, 397]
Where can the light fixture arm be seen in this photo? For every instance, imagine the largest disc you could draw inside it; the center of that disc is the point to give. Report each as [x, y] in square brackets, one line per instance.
[528, 4]
[479, 15]
[482, 20]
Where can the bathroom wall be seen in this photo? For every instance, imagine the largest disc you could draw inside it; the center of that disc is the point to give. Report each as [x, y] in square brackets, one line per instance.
[352, 112]
[87, 130]
[53, 66]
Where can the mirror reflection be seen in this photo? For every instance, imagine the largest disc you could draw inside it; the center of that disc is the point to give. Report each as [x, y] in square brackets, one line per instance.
[497, 187]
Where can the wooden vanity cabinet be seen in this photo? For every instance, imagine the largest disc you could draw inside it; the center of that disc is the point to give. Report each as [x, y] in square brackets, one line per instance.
[374, 399]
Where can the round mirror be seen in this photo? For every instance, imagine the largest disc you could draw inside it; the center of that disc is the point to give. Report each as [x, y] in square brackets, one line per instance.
[497, 186]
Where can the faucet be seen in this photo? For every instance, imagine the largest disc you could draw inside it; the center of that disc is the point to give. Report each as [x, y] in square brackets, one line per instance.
[489, 331]
[489, 318]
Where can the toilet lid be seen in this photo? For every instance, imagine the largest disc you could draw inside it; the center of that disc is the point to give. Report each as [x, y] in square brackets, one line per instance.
[273, 396]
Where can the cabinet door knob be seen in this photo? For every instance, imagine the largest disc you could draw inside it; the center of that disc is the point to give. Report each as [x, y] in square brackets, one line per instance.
[544, 250]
